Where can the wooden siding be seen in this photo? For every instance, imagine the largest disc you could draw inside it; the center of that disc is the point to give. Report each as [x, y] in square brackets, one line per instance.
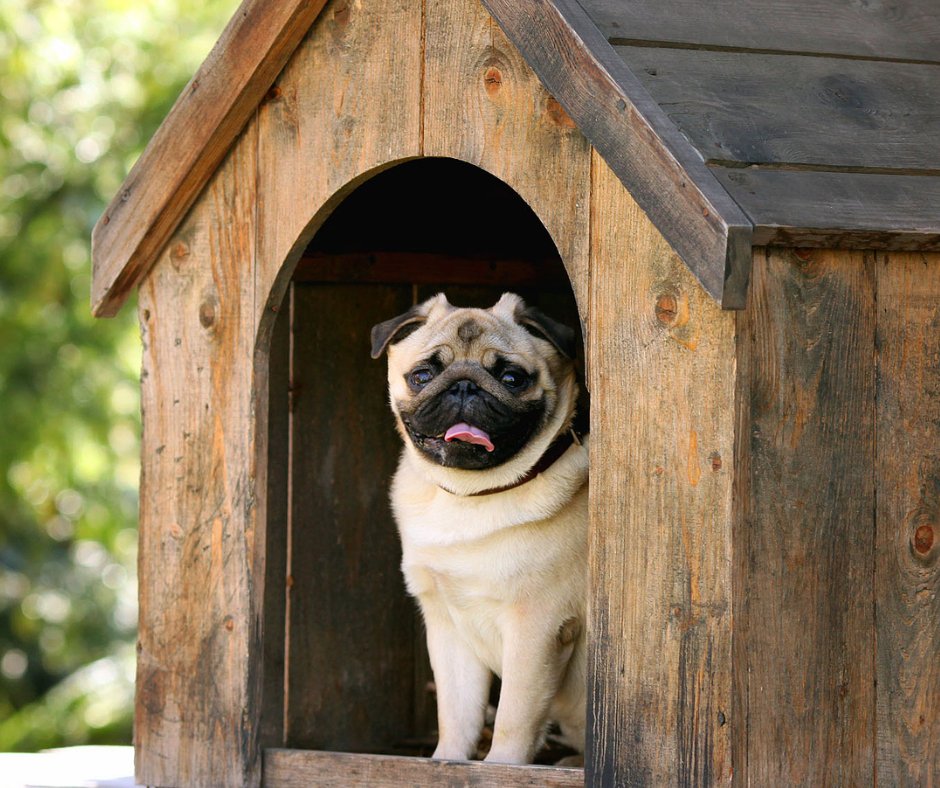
[662, 387]
[907, 540]
[805, 546]
[197, 710]
[836, 563]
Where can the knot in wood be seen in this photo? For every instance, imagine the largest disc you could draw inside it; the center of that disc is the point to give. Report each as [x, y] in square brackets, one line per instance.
[207, 313]
[557, 115]
[493, 80]
[923, 540]
[666, 309]
[715, 457]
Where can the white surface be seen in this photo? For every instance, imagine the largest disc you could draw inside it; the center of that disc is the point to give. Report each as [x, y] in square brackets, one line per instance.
[69, 767]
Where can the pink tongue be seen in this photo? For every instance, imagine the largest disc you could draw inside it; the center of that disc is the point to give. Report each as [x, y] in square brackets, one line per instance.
[467, 434]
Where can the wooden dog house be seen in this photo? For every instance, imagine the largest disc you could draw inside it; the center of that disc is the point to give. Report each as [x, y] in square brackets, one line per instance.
[745, 198]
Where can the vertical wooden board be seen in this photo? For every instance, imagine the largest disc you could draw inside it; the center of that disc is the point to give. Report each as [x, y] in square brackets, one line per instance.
[662, 371]
[196, 711]
[351, 628]
[484, 105]
[346, 105]
[907, 567]
[806, 343]
[276, 513]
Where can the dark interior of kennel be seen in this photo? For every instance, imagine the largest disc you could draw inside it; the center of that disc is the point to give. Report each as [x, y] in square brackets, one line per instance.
[345, 662]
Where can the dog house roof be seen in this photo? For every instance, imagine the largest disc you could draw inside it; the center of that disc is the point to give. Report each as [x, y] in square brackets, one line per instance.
[733, 123]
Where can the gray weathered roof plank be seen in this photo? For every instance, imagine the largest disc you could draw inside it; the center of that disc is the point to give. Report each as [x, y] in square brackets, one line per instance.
[901, 29]
[785, 109]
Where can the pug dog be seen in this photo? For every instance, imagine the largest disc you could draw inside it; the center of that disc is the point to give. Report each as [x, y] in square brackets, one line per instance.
[491, 503]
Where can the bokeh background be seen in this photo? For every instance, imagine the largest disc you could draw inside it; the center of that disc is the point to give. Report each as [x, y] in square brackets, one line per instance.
[83, 86]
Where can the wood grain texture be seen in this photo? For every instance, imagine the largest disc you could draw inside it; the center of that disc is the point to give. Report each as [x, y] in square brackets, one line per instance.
[191, 143]
[760, 109]
[198, 708]
[431, 268]
[274, 513]
[300, 769]
[906, 29]
[838, 209]
[352, 625]
[322, 136]
[805, 537]
[659, 166]
[484, 105]
[662, 372]
[907, 567]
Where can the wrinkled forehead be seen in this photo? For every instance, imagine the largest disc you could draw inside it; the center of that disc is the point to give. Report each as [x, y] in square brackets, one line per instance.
[466, 334]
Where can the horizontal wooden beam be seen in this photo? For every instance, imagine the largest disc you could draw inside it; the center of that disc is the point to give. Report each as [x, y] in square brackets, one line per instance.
[191, 143]
[661, 169]
[303, 768]
[841, 210]
[430, 268]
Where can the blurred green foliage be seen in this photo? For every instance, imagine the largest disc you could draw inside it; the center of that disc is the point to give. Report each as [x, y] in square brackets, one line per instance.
[84, 84]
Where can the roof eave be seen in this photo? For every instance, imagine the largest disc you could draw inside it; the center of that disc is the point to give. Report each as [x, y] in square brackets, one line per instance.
[663, 172]
[191, 143]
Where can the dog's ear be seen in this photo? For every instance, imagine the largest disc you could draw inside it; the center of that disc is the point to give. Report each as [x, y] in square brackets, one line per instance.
[395, 330]
[561, 336]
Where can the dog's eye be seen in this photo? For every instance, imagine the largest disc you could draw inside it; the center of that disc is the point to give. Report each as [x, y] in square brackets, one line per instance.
[514, 378]
[421, 377]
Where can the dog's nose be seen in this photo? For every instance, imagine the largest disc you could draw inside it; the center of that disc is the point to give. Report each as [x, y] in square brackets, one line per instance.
[463, 389]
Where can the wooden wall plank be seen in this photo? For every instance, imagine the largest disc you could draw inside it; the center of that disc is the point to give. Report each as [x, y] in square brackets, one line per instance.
[662, 372]
[346, 106]
[838, 209]
[805, 540]
[191, 143]
[902, 29]
[907, 568]
[197, 706]
[300, 769]
[351, 628]
[274, 513]
[484, 105]
[759, 108]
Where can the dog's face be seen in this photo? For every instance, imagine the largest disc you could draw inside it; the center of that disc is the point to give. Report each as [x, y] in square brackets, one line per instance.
[471, 387]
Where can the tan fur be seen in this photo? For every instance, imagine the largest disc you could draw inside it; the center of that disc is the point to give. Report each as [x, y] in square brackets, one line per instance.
[500, 578]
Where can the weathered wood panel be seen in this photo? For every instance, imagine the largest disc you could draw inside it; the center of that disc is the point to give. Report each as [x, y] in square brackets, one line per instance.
[805, 540]
[351, 629]
[431, 268]
[907, 566]
[662, 372]
[274, 513]
[484, 105]
[838, 209]
[759, 109]
[347, 105]
[300, 769]
[659, 166]
[197, 706]
[191, 143]
[904, 29]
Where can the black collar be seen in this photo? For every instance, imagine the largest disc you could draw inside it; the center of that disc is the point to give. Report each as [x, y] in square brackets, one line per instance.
[558, 447]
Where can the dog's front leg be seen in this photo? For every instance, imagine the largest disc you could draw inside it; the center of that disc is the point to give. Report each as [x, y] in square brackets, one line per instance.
[463, 687]
[535, 658]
